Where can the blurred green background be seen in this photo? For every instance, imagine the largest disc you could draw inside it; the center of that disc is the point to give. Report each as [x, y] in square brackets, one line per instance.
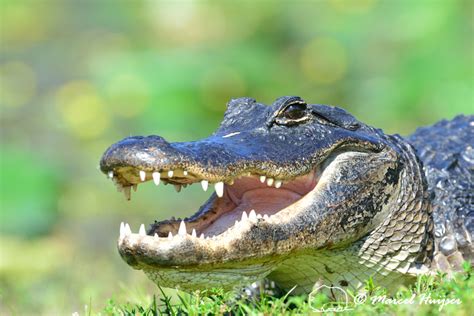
[76, 76]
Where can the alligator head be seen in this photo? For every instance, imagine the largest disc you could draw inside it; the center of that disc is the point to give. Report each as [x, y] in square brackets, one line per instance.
[295, 184]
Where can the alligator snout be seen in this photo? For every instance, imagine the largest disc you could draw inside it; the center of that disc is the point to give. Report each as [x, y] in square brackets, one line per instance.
[139, 152]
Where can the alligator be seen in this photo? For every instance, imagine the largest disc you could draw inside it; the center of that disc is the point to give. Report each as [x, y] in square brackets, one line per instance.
[304, 193]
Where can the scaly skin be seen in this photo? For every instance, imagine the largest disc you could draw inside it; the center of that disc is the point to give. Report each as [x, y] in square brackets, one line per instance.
[344, 201]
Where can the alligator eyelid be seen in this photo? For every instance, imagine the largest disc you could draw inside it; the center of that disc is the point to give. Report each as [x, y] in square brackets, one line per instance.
[292, 122]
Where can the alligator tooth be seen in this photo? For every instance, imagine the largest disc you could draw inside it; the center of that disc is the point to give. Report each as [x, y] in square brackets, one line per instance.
[236, 223]
[262, 179]
[202, 236]
[252, 215]
[142, 231]
[265, 216]
[270, 182]
[156, 236]
[259, 216]
[244, 216]
[126, 192]
[170, 174]
[156, 177]
[122, 230]
[193, 234]
[127, 230]
[219, 187]
[177, 187]
[170, 235]
[277, 184]
[185, 173]
[110, 174]
[204, 184]
[182, 229]
[142, 175]
[135, 187]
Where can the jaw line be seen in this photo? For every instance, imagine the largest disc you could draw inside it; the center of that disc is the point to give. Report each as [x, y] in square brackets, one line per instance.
[230, 246]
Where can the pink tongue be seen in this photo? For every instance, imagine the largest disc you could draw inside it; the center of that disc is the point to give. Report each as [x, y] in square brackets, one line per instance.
[263, 200]
[300, 185]
[266, 201]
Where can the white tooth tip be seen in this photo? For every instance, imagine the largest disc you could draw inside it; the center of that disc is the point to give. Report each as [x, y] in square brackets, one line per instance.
[182, 229]
[265, 216]
[170, 174]
[244, 215]
[219, 187]
[110, 174]
[193, 234]
[156, 177]
[202, 236]
[278, 183]
[170, 235]
[252, 214]
[122, 229]
[142, 175]
[262, 179]
[204, 184]
[127, 230]
[185, 172]
[270, 182]
[259, 216]
[142, 230]
[156, 236]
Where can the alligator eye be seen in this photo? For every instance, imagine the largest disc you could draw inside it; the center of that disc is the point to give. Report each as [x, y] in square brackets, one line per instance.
[294, 112]
[291, 111]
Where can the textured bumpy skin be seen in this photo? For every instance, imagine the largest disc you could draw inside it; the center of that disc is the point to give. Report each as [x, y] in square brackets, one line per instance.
[447, 152]
[352, 202]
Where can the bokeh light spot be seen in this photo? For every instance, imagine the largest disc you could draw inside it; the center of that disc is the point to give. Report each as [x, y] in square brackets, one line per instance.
[17, 84]
[187, 23]
[323, 60]
[82, 109]
[128, 95]
[22, 23]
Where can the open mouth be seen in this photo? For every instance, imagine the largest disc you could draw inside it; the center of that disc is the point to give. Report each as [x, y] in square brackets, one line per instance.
[237, 202]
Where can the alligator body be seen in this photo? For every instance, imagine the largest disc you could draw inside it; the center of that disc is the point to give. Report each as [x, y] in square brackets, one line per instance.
[304, 194]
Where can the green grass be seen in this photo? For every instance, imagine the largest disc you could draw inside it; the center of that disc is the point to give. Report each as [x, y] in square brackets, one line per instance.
[459, 288]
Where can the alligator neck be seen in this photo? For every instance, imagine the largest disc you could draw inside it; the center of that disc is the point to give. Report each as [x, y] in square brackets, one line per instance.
[403, 241]
[400, 245]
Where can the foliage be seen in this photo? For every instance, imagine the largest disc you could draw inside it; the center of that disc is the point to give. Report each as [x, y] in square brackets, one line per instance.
[410, 301]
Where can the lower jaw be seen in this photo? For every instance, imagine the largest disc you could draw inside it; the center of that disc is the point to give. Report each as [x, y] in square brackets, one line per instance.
[230, 278]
